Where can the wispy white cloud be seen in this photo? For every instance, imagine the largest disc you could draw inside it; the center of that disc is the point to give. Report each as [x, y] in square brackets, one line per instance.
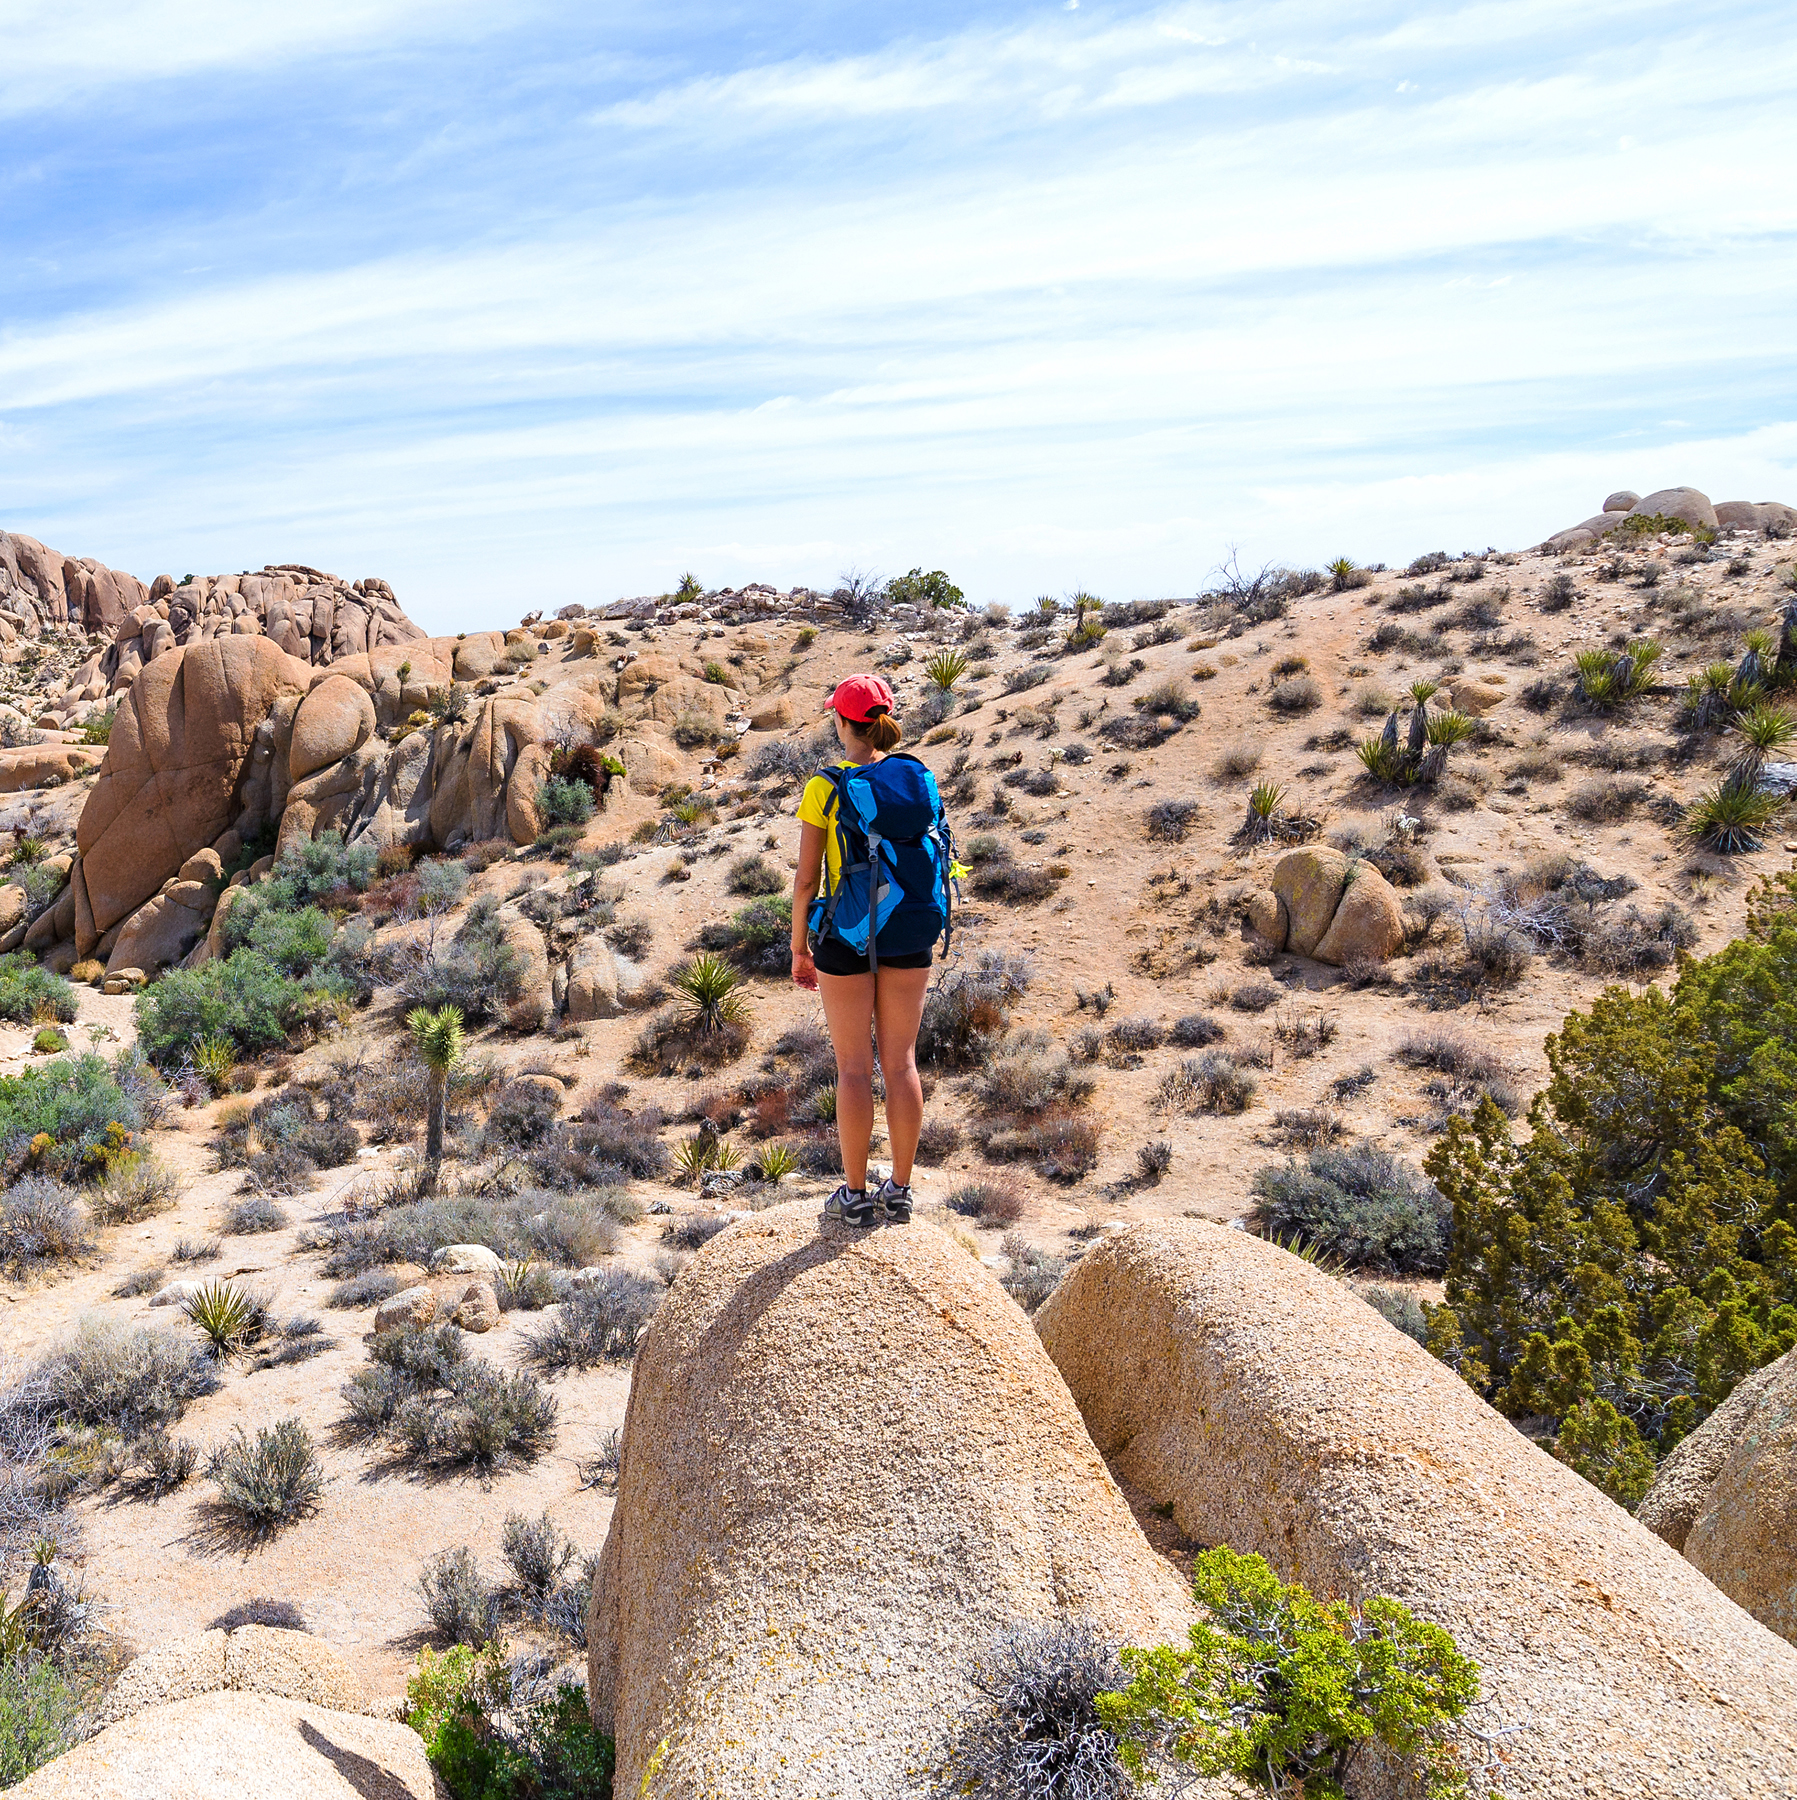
[1075, 296]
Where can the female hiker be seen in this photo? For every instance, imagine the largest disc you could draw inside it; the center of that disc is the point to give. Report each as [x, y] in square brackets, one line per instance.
[869, 900]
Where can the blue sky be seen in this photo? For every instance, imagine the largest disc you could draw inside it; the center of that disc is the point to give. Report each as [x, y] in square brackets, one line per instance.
[521, 305]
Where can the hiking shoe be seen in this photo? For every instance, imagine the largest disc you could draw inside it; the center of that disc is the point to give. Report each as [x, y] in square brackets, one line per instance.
[852, 1206]
[895, 1201]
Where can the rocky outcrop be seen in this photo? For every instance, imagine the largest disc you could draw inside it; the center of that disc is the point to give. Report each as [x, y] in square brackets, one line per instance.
[252, 1659]
[1727, 1496]
[848, 1466]
[1683, 1481]
[1275, 1412]
[224, 1746]
[168, 786]
[1683, 503]
[1324, 907]
[1369, 921]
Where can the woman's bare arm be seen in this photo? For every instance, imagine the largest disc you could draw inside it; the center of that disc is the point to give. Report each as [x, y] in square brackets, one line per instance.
[805, 881]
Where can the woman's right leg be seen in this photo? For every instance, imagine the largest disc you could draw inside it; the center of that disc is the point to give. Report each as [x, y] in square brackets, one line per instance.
[849, 1012]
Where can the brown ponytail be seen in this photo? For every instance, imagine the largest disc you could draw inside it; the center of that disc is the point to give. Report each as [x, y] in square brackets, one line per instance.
[881, 730]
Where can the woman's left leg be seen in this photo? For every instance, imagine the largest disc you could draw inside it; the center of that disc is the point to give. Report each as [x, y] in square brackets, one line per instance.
[848, 1008]
[898, 1007]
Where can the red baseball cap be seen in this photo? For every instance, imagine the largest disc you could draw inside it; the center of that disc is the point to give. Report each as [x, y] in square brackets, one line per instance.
[858, 698]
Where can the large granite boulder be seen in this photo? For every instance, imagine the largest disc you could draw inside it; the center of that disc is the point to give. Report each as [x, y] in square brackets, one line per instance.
[227, 1746]
[1369, 922]
[178, 746]
[848, 1466]
[1275, 1412]
[1310, 882]
[1684, 503]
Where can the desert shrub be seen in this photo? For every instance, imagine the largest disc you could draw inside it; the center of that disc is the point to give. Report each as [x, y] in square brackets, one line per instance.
[479, 972]
[369, 1288]
[40, 1221]
[244, 998]
[1397, 1306]
[1169, 820]
[247, 1218]
[461, 1604]
[42, 1713]
[968, 1007]
[163, 1463]
[562, 802]
[267, 1482]
[521, 1114]
[1450, 1051]
[440, 1408]
[69, 1117]
[1214, 1082]
[1591, 1261]
[1297, 694]
[1256, 996]
[1194, 1031]
[597, 1323]
[1632, 942]
[1601, 802]
[1360, 1206]
[124, 1376]
[1002, 879]
[758, 935]
[989, 1203]
[938, 1139]
[536, 1552]
[1153, 1160]
[1062, 1140]
[571, 1230]
[136, 1186]
[294, 940]
[1286, 1693]
[1033, 1273]
[755, 875]
[629, 1140]
[25, 986]
[1029, 1071]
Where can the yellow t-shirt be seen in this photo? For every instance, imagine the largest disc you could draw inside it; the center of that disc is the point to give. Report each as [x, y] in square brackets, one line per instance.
[817, 806]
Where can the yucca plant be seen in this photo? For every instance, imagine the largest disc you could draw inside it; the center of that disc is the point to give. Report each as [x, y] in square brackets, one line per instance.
[1383, 760]
[773, 1161]
[688, 812]
[439, 1039]
[945, 668]
[1448, 728]
[1264, 801]
[1340, 570]
[1424, 691]
[693, 1155]
[214, 1058]
[725, 1156]
[1709, 696]
[1597, 676]
[1761, 642]
[228, 1317]
[1732, 819]
[1047, 606]
[709, 986]
[1762, 729]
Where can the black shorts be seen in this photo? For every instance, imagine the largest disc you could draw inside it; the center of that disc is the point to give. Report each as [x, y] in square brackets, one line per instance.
[834, 957]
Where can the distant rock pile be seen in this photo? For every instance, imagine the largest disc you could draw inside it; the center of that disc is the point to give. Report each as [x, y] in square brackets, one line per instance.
[313, 616]
[1275, 1412]
[1683, 503]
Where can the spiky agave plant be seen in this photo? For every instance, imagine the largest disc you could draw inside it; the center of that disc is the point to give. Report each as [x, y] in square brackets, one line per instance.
[708, 985]
[1263, 802]
[945, 668]
[214, 1058]
[1383, 760]
[1448, 728]
[772, 1161]
[1732, 818]
[227, 1316]
[1761, 729]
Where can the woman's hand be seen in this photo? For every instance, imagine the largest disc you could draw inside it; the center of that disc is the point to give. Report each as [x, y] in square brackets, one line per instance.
[804, 969]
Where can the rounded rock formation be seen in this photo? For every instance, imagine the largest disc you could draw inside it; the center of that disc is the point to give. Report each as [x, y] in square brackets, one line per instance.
[1621, 500]
[848, 1466]
[1744, 1532]
[1310, 883]
[226, 1746]
[1369, 923]
[335, 719]
[1684, 503]
[1276, 1412]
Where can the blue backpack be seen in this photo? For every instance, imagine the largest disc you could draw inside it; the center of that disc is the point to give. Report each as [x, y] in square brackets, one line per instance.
[897, 859]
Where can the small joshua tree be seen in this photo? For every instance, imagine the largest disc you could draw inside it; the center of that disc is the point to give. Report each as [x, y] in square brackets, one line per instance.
[438, 1037]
